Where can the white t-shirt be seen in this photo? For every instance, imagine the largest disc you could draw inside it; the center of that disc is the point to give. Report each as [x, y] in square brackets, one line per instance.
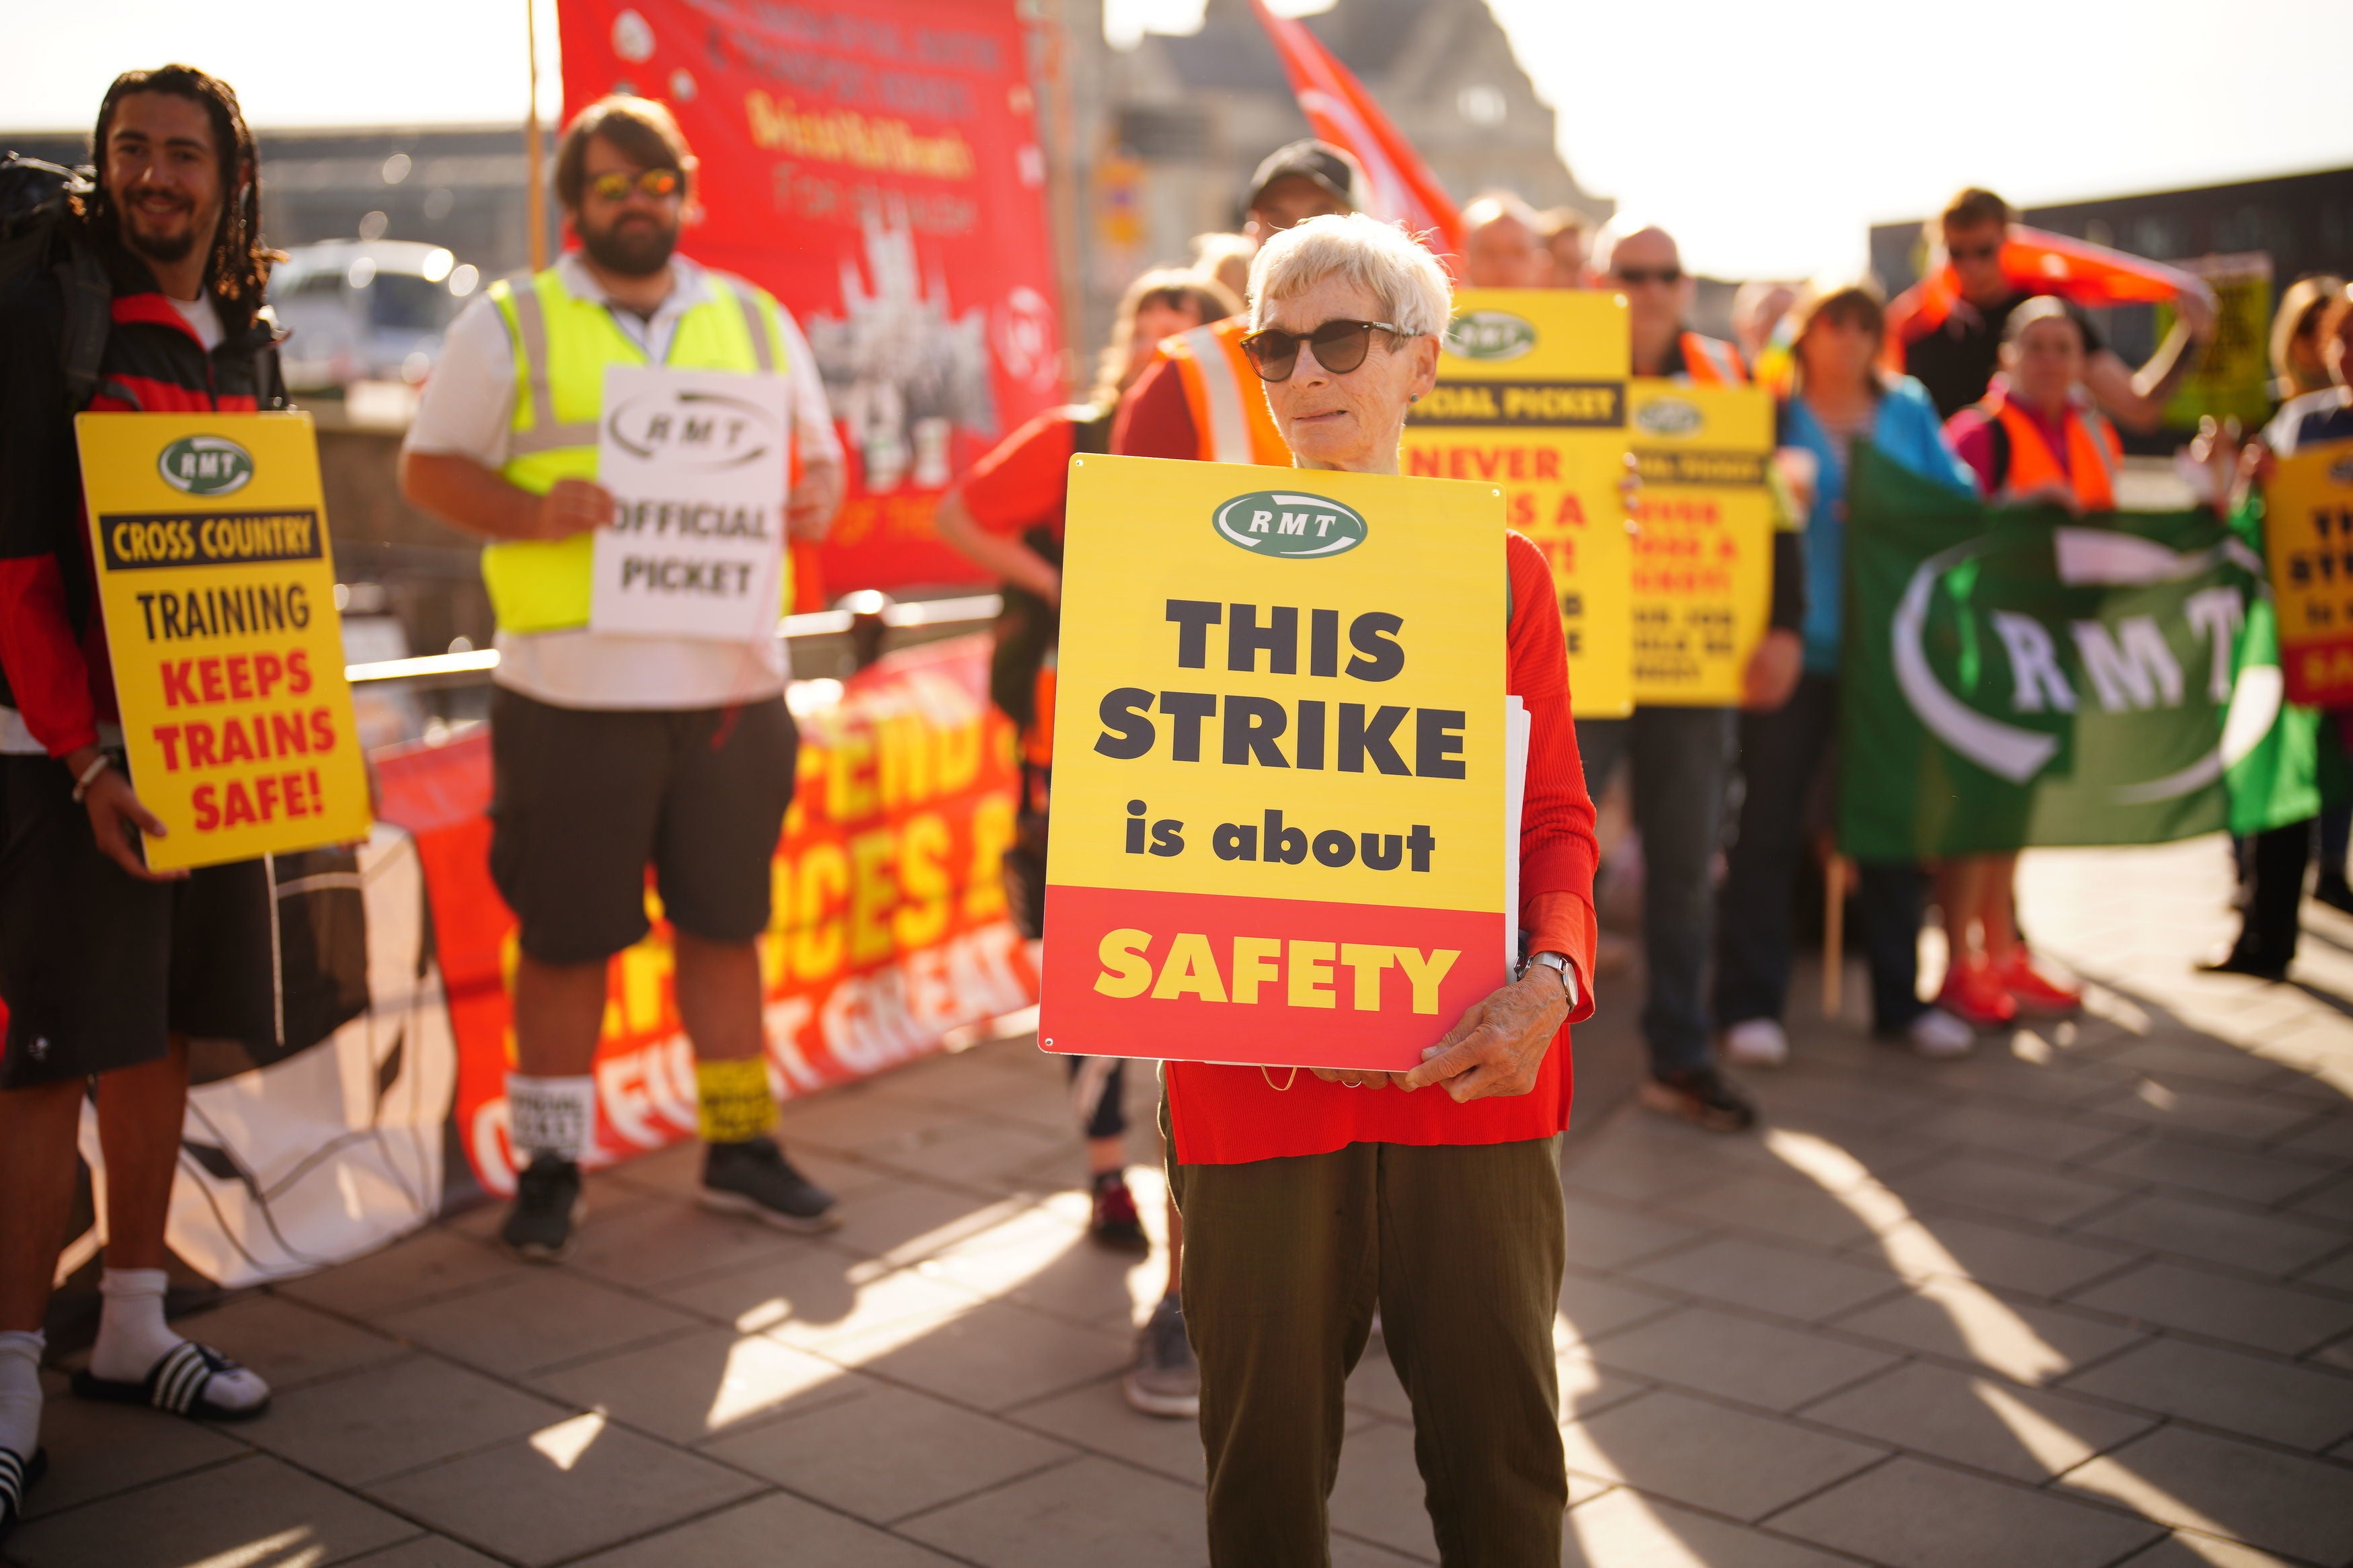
[203, 320]
[468, 410]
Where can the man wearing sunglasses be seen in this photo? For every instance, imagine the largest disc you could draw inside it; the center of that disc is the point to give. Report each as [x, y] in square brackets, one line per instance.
[1955, 356]
[1199, 399]
[1682, 757]
[610, 753]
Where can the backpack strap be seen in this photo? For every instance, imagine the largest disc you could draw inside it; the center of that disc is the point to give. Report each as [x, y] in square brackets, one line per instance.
[88, 297]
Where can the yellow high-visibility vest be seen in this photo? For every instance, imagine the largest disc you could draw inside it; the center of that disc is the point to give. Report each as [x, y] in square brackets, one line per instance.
[562, 344]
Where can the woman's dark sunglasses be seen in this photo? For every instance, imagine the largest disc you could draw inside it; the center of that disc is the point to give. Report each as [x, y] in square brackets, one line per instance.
[1638, 276]
[656, 183]
[1340, 347]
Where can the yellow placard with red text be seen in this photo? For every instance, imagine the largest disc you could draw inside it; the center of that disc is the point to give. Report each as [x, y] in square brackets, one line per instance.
[1531, 396]
[2308, 546]
[217, 589]
[1278, 776]
[1703, 543]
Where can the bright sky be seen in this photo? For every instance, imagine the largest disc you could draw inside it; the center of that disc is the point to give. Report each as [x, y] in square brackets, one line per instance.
[1770, 157]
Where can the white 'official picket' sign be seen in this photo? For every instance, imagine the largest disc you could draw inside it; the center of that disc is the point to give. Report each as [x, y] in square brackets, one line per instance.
[698, 462]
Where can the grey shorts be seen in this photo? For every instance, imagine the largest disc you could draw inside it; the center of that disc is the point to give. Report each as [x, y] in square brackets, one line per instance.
[586, 799]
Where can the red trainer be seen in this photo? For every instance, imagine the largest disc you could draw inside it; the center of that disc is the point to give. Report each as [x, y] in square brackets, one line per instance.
[2037, 995]
[1975, 994]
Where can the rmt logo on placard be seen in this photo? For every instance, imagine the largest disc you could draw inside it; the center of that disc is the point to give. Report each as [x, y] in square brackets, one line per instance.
[701, 429]
[1490, 335]
[205, 465]
[1283, 523]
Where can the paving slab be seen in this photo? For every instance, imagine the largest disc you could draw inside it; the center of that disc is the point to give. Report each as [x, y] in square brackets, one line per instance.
[1992, 1254]
[535, 1322]
[702, 1384]
[1751, 1274]
[399, 1417]
[1962, 1321]
[1622, 1527]
[2215, 1232]
[1908, 1513]
[2280, 1318]
[287, 1343]
[2280, 1503]
[2301, 1406]
[101, 1450]
[437, 1261]
[564, 1491]
[887, 1452]
[1745, 1358]
[2023, 1432]
[254, 1510]
[1711, 1456]
[767, 1532]
[1088, 1512]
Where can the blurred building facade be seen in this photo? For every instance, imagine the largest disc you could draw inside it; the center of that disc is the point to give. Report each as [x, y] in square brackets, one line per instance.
[1170, 130]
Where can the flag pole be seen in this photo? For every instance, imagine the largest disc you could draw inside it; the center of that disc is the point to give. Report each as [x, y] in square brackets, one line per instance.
[536, 196]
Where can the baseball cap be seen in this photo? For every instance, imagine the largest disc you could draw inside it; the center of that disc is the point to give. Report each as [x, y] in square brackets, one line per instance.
[1321, 162]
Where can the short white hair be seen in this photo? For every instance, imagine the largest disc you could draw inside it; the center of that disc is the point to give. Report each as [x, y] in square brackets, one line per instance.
[1379, 257]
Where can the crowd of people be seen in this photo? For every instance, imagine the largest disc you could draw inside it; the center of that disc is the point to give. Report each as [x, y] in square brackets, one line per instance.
[1301, 1211]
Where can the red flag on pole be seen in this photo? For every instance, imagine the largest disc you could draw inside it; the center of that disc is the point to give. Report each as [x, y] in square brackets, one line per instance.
[2034, 262]
[1339, 111]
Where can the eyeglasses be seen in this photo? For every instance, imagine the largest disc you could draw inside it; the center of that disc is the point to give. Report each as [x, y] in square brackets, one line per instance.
[614, 186]
[1635, 277]
[1974, 252]
[1340, 347]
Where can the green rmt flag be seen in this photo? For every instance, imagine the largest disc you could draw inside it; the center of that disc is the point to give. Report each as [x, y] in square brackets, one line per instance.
[2019, 677]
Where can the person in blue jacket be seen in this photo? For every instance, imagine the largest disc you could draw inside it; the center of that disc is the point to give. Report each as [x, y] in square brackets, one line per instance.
[1839, 396]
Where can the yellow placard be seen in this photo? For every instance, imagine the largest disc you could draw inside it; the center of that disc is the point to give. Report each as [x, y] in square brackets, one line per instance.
[217, 589]
[2308, 546]
[1703, 547]
[1531, 397]
[1279, 773]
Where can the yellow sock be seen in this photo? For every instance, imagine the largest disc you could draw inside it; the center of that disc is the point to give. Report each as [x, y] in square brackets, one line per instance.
[734, 1100]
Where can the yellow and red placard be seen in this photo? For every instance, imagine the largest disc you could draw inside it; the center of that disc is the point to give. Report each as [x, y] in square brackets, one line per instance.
[217, 588]
[1280, 777]
[2308, 541]
[1703, 543]
[1532, 398]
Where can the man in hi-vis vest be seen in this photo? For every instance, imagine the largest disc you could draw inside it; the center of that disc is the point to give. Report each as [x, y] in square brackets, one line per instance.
[1200, 400]
[613, 751]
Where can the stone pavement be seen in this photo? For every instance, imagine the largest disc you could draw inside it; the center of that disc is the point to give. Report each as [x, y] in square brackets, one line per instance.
[2085, 1298]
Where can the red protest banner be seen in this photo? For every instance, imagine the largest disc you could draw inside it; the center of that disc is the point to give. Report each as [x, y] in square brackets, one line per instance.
[877, 168]
[889, 928]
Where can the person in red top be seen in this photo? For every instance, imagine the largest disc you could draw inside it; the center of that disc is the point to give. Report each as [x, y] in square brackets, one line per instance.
[109, 968]
[1312, 1201]
[2035, 440]
[1007, 515]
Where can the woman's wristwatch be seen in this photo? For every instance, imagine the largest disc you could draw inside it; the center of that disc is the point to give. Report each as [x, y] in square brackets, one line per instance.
[1558, 964]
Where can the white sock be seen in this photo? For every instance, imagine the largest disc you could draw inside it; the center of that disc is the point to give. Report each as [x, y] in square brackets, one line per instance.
[133, 1337]
[20, 1391]
[550, 1116]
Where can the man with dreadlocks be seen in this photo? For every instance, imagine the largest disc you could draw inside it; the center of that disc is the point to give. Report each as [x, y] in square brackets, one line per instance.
[108, 968]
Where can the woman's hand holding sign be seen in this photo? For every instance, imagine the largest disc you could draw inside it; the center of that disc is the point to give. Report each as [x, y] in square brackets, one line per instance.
[1498, 1047]
[116, 815]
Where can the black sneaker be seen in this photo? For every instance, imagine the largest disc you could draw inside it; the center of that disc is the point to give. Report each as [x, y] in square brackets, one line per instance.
[1703, 1097]
[2245, 960]
[1115, 1222]
[547, 1205]
[1165, 1379]
[753, 1177]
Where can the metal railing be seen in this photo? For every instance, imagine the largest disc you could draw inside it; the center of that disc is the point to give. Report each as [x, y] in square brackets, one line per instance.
[867, 617]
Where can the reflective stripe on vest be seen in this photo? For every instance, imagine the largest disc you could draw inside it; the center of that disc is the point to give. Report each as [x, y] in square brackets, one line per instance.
[2093, 454]
[1230, 419]
[1711, 361]
[562, 346]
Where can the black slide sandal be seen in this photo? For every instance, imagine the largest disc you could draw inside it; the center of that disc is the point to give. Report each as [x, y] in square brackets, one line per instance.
[176, 1384]
[16, 1479]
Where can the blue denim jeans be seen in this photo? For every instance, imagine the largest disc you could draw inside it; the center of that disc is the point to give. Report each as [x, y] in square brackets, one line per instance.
[1680, 758]
[1783, 756]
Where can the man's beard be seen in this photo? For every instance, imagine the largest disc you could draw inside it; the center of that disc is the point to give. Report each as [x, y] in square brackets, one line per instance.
[640, 251]
[166, 249]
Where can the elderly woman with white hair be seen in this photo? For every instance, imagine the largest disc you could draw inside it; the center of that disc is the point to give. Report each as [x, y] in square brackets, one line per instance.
[1432, 1197]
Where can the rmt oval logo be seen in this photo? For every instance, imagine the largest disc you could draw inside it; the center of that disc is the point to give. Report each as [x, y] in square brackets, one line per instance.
[699, 429]
[205, 465]
[1283, 523]
[1669, 416]
[1490, 335]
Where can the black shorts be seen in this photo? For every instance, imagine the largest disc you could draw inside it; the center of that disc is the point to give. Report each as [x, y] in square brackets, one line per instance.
[99, 968]
[585, 798]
